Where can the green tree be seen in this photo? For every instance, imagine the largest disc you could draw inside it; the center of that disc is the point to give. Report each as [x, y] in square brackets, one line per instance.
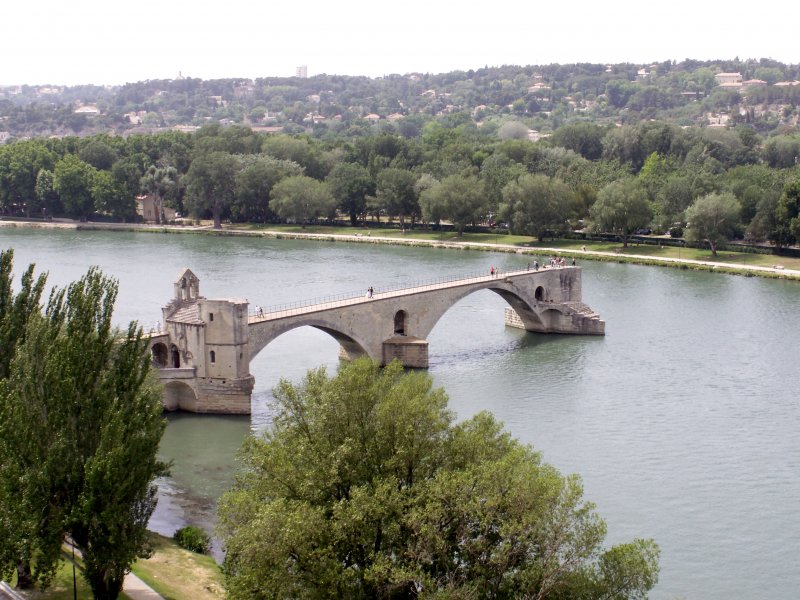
[396, 193]
[254, 183]
[111, 197]
[211, 185]
[98, 154]
[162, 183]
[713, 218]
[536, 205]
[47, 199]
[787, 215]
[80, 424]
[513, 130]
[459, 198]
[73, 179]
[584, 138]
[303, 151]
[621, 208]
[301, 199]
[497, 171]
[16, 309]
[365, 487]
[20, 163]
[350, 184]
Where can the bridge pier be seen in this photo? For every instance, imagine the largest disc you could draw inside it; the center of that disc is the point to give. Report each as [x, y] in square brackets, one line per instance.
[411, 351]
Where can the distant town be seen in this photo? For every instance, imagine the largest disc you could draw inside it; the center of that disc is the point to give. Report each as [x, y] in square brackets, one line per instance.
[762, 94]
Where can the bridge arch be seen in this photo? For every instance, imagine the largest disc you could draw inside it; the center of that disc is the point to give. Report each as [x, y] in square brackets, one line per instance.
[160, 355]
[263, 333]
[518, 299]
[179, 395]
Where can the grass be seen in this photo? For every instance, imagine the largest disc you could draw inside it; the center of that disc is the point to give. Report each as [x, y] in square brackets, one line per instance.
[61, 587]
[174, 573]
[564, 245]
[645, 254]
[178, 574]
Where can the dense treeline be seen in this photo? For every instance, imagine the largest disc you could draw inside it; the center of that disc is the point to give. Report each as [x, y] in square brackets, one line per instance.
[650, 173]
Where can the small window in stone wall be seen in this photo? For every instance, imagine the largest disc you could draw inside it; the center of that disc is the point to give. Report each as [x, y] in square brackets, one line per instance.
[210, 316]
[213, 357]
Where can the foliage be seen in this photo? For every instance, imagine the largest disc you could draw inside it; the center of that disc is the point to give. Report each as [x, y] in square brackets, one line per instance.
[73, 180]
[110, 196]
[365, 487]
[254, 182]
[301, 199]
[163, 184]
[461, 199]
[16, 309]
[787, 214]
[396, 194]
[536, 205]
[712, 218]
[350, 184]
[211, 185]
[621, 208]
[193, 539]
[80, 422]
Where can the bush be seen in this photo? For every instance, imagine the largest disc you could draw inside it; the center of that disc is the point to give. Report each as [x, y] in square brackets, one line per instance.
[193, 539]
[676, 232]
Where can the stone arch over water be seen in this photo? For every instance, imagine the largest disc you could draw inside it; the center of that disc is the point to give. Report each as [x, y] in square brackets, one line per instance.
[350, 347]
[179, 395]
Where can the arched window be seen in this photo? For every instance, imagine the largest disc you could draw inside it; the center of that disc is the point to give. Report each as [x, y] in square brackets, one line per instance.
[400, 322]
[539, 294]
[213, 356]
[176, 357]
[160, 355]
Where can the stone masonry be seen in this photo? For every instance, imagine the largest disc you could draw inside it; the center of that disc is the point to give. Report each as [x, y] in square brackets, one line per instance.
[204, 352]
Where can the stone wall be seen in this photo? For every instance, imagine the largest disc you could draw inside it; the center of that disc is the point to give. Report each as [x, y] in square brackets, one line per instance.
[410, 351]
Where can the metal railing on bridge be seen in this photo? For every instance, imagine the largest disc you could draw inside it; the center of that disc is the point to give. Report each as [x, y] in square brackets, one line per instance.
[257, 313]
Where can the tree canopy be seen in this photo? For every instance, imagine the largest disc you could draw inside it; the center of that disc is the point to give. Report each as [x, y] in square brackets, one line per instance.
[366, 487]
[713, 218]
[621, 208]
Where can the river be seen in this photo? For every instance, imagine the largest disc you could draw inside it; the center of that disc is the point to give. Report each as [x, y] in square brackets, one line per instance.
[683, 420]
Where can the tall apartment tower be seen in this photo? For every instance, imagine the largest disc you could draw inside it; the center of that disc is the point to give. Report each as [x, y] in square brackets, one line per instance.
[301, 72]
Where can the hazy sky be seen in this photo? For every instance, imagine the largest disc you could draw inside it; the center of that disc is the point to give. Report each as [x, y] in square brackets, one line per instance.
[111, 42]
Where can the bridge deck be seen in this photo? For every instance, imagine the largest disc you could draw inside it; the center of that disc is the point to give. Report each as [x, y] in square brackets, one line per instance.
[273, 313]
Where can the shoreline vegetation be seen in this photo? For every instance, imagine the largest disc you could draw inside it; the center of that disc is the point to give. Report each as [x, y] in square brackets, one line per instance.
[171, 572]
[728, 262]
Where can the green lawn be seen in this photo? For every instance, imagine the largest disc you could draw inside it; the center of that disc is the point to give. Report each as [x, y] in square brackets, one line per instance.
[61, 588]
[174, 573]
[733, 258]
[178, 574]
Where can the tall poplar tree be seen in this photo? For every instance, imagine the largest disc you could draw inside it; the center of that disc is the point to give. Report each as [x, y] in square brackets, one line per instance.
[80, 423]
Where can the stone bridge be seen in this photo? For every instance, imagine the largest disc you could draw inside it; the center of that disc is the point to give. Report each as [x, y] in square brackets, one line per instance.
[204, 351]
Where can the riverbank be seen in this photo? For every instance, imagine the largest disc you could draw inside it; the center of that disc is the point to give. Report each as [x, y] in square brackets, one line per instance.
[654, 255]
[171, 572]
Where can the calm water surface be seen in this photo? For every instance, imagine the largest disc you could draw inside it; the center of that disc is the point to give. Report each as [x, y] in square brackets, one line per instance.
[683, 420]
